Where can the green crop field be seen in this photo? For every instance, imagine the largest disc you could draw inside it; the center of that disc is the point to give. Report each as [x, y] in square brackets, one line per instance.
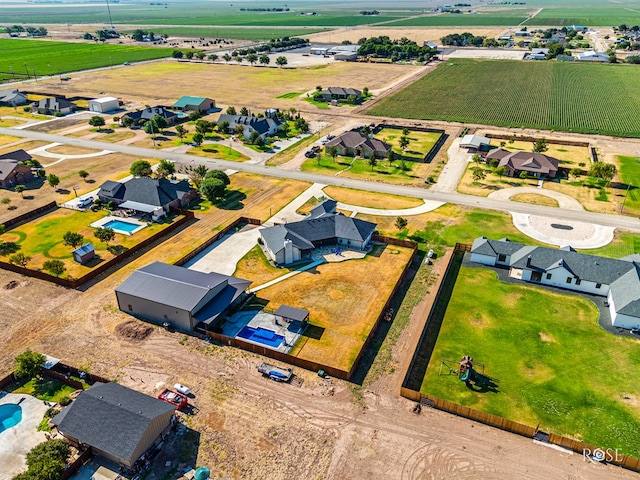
[20, 57]
[447, 20]
[569, 97]
[591, 16]
[552, 363]
[240, 33]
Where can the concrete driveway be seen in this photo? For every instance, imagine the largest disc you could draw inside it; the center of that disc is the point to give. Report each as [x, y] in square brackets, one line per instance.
[458, 159]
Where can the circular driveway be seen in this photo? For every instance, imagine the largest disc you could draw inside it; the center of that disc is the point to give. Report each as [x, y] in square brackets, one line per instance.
[579, 235]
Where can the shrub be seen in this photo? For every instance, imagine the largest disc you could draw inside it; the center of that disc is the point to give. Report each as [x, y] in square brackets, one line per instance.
[27, 109]
[64, 401]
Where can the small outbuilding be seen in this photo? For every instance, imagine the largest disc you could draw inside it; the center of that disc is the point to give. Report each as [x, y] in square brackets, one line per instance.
[292, 314]
[475, 142]
[84, 254]
[195, 104]
[104, 104]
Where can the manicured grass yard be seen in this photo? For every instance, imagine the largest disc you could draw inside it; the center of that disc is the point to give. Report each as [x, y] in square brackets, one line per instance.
[553, 364]
[46, 389]
[254, 266]
[360, 169]
[41, 239]
[344, 298]
[629, 173]
[215, 150]
[421, 142]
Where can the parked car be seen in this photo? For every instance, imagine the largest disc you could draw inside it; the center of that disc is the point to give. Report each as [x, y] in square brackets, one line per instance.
[85, 202]
[310, 154]
[178, 387]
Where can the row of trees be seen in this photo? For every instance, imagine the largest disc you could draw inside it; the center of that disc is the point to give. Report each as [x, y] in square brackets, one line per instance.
[33, 31]
[402, 49]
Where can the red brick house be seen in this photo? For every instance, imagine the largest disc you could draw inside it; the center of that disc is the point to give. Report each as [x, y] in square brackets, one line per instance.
[12, 171]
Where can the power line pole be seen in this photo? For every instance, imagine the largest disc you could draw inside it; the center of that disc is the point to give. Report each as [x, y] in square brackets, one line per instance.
[109, 10]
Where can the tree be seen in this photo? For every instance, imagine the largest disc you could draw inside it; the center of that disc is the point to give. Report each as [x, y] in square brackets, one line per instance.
[223, 126]
[204, 126]
[264, 59]
[281, 61]
[226, 57]
[404, 142]
[97, 121]
[200, 55]
[244, 111]
[332, 152]
[73, 239]
[478, 174]
[476, 158]
[540, 145]
[212, 188]
[219, 174]
[198, 138]
[366, 130]
[239, 59]
[47, 461]
[197, 174]
[189, 55]
[53, 180]
[19, 189]
[500, 171]
[104, 234]
[365, 92]
[301, 125]
[285, 128]
[83, 174]
[140, 168]
[575, 172]
[181, 131]
[372, 161]
[405, 132]
[401, 223]
[239, 130]
[213, 57]
[5, 201]
[165, 168]
[523, 175]
[28, 364]
[252, 58]
[126, 122]
[231, 110]
[56, 267]
[177, 54]
[253, 137]
[603, 171]
[391, 156]
[19, 259]
[194, 115]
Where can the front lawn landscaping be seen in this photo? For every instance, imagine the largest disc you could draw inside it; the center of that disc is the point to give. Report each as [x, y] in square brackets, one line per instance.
[552, 364]
[255, 266]
[45, 388]
[363, 198]
[216, 150]
[419, 146]
[629, 173]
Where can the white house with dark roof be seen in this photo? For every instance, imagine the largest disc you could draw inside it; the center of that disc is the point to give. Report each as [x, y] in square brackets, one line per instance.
[12, 98]
[52, 105]
[184, 298]
[265, 126]
[618, 280]
[116, 422]
[295, 241]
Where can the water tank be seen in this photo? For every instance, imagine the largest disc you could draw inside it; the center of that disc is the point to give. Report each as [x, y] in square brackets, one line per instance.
[203, 473]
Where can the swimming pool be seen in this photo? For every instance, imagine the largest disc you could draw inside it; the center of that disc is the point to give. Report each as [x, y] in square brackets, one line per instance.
[122, 226]
[261, 335]
[10, 416]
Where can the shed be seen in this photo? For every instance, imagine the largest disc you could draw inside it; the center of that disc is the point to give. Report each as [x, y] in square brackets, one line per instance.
[318, 50]
[292, 314]
[476, 142]
[84, 254]
[104, 105]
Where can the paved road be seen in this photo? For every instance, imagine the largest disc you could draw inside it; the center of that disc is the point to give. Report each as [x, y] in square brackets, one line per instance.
[417, 192]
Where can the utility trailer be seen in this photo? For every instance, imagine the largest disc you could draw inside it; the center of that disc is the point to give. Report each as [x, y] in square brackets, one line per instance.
[277, 374]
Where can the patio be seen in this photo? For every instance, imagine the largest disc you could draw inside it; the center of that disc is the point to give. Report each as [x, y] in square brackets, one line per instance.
[264, 321]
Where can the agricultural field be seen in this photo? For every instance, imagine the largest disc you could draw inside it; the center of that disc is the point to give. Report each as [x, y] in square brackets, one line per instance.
[28, 58]
[591, 16]
[570, 97]
[453, 20]
[563, 373]
[234, 33]
[357, 289]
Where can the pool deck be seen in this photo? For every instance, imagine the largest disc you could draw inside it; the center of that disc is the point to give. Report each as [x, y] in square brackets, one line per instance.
[260, 319]
[16, 442]
[109, 218]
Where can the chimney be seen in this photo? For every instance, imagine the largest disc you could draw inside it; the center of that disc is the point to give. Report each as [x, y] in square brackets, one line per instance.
[528, 260]
[288, 252]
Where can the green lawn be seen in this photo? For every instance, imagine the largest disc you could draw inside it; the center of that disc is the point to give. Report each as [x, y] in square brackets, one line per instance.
[218, 151]
[553, 365]
[45, 389]
[629, 172]
[562, 96]
[290, 95]
[421, 142]
[52, 58]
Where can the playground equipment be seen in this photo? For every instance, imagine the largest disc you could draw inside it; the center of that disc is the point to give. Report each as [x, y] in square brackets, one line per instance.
[466, 369]
[466, 372]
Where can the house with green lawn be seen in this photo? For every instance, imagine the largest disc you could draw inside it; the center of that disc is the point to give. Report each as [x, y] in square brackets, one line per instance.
[355, 144]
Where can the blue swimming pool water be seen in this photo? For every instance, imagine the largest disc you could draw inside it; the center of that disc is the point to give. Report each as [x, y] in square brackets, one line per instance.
[121, 225]
[10, 416]
[261, 335]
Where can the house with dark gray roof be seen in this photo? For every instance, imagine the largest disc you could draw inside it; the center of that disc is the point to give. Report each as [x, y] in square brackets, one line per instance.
[533, 164]
[146, 194]
[353, 143]
[265, 126]
[295, 241]
[12, 170]
[53, 105]
[12, 98]
[618, 280]
[141, 116]
[184, 298]
[340, 93]
[116, 422]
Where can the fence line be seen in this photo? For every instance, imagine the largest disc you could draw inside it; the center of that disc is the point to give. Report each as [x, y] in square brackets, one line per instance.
[15, 221]
[8, 380]
[72, 468]
[611, 456]
[77, 282]
[526, 138]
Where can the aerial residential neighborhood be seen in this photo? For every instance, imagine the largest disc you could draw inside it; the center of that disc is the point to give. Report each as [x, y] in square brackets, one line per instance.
[325, 241]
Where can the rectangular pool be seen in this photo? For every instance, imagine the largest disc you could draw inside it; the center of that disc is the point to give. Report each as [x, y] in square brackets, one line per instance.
[122, 226]
[261, 335]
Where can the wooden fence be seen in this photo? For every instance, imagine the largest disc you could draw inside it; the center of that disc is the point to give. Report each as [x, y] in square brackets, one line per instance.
[315, 366]
[611, 456]
[8, 380]
[15, 221]
[71, 468]
[216, 237]
[61, 377]
[103, 267]
[526, 138]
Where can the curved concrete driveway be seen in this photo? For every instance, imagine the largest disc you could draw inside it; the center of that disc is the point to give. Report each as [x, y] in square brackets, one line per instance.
[564, 201]
[426, 207]
[557, 232]
[42, 151]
